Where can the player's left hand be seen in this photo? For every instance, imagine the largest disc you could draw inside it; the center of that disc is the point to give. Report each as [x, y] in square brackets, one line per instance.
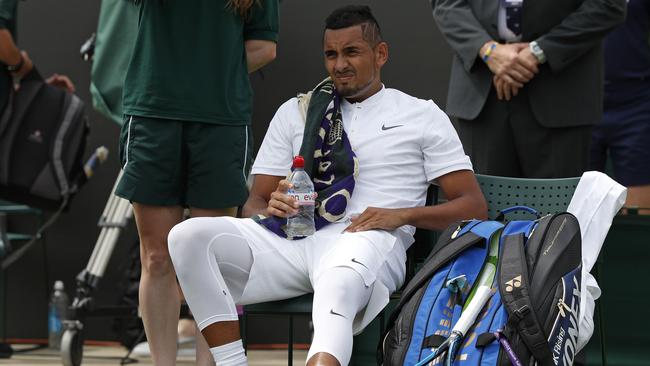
[374, 218]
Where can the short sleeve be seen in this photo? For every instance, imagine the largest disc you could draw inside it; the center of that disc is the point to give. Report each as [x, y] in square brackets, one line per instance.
[263, 22]
[7, 13]
[442, 149]
[276, 153]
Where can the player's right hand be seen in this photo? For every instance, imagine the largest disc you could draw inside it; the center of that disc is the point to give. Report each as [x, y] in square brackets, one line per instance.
[280, 203]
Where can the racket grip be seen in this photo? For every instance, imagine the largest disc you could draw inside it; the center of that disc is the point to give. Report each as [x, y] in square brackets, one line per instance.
[468, 316]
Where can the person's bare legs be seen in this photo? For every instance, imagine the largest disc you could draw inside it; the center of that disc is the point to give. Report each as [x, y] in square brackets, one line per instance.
[639, 196]
[323, 359]
[203, 355]
[159, 296]
[220, 333]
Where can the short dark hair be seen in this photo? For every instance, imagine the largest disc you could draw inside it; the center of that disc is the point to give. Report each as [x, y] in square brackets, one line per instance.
[351, 15]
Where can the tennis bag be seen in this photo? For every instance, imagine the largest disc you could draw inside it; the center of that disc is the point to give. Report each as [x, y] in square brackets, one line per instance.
[43, 133]
[523, 275]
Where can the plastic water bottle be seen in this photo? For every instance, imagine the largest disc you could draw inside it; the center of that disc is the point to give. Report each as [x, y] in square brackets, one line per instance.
[301, 224]
[57, 313]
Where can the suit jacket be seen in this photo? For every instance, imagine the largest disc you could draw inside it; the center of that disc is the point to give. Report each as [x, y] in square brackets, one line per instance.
[568, 89]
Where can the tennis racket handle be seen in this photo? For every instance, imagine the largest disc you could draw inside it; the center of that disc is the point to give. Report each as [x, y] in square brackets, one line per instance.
[468, 316]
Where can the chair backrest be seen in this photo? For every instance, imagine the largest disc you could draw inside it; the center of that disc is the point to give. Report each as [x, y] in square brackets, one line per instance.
[544, 195]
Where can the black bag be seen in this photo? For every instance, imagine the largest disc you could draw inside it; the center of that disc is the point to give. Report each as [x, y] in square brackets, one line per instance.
[43, 133]
[530, 273]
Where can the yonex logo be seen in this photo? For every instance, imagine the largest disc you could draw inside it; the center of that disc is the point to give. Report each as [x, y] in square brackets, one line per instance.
[513, 283]
[386, 128]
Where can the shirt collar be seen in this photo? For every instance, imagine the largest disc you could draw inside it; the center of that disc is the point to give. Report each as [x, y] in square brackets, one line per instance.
[370, 101]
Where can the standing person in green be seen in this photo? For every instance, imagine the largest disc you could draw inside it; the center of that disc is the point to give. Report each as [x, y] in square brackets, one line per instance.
[186, 137]
[16, 63]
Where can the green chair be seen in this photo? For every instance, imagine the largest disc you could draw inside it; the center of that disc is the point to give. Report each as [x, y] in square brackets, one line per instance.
[547, 196]
[6, 240]
[291, 308]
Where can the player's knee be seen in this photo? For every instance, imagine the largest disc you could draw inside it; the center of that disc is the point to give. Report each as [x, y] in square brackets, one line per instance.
[338, 290]
[156, 263]
[338, 287]
[186, 241]
[340, 281]
[179, 234]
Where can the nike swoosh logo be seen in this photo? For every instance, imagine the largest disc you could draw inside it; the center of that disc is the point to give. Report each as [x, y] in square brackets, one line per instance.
[354, 260]
[335, 313]
[386, 128]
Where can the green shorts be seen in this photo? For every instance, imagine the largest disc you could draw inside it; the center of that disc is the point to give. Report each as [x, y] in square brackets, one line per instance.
[179, 163]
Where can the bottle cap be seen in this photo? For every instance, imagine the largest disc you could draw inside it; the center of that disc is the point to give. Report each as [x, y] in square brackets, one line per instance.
[58, 285]
[298, 161]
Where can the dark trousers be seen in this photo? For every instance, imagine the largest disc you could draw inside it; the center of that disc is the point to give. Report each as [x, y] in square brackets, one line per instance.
[506, 140]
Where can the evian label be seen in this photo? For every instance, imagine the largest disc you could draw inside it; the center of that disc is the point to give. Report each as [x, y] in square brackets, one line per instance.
[303, 198]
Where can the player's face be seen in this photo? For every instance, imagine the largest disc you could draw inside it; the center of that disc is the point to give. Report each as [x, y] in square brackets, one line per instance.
[352, 63]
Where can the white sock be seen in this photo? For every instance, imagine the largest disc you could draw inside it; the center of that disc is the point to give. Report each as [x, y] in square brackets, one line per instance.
[231, 354]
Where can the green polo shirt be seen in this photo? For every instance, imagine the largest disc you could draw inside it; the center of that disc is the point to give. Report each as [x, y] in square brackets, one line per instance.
[7, 21]
[189, 61]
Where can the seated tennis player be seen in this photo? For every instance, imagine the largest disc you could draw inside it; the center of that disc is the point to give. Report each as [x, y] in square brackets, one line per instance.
[371, 152]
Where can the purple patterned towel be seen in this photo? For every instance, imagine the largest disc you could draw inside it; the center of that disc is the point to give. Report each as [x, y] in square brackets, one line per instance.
[334, 166]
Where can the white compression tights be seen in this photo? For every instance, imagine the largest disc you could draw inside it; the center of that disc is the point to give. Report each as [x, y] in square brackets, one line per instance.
[213, 261]
[339, 294]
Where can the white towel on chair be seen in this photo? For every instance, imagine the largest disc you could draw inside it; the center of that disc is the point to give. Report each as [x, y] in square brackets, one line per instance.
[595, 202]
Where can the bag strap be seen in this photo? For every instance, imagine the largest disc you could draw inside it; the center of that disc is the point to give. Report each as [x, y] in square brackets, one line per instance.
[6, 113]
[502, 213]
[12, 117]
[72, 105]
[514, 288]
[443, 255]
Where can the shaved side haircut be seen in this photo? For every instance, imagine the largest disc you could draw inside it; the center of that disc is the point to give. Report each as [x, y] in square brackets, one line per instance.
[351, 15]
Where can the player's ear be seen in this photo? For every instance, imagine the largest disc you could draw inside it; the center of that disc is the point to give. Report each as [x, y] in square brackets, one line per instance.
[381, 53]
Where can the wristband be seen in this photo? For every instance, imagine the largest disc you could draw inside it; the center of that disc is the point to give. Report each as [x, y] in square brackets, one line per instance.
[488, 52]
[18, 66]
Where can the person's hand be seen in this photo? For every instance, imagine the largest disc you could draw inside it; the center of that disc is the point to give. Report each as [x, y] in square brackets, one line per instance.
[504, 89]
[281, 204]
[61, 81]
[526, 59]
[377, 218]
[504, 62]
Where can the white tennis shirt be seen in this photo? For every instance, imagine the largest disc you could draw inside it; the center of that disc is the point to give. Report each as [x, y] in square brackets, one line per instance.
[403, 143]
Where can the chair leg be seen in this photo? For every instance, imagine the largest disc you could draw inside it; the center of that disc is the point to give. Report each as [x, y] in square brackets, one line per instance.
[601, 329]
[244, 331]
[290, 345]
[601, 318]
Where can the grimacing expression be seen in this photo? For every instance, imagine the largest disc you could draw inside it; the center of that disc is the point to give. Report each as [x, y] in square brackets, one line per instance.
[352, 62]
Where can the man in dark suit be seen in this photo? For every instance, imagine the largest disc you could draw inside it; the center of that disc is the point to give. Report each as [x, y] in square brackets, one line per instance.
[526, 80]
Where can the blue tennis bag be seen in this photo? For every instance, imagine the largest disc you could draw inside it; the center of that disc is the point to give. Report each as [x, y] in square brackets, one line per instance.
[492, 293]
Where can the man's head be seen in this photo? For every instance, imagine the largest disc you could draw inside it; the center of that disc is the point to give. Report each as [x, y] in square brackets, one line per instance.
[354, 51]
